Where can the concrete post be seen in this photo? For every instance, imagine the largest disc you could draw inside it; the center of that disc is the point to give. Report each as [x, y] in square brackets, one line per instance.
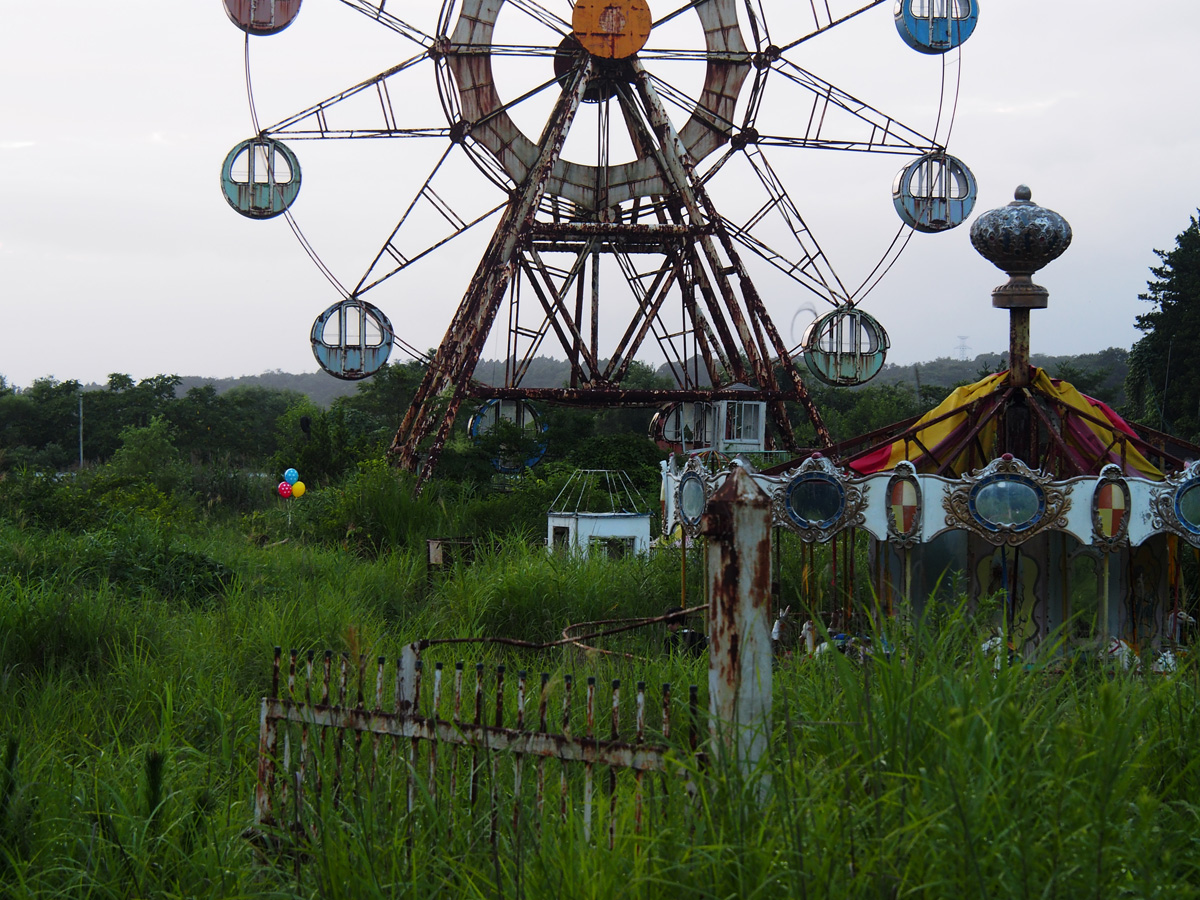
[737, 523]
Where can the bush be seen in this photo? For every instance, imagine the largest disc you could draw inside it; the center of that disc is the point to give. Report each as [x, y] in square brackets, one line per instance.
[134, 554]
[148, 454]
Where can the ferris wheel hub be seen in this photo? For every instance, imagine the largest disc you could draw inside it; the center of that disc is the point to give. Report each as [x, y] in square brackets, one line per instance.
[606, 73]
[611, 29]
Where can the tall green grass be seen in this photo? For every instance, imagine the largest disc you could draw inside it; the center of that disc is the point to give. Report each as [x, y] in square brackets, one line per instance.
[129, 689]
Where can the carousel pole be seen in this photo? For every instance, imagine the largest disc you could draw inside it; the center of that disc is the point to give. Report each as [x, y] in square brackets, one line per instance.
[682, 569]
[1104, 607]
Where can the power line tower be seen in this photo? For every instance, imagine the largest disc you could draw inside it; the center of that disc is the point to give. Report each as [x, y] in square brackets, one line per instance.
[962, 347]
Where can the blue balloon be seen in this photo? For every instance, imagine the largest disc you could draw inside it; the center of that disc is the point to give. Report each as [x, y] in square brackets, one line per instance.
[291, 476]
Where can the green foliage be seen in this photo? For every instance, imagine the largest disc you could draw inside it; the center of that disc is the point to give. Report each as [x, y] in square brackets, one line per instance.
[39, 426]
[374, 511]
[633, 453]
[848, 412]
[385, 396]
[334, 442]
[132, 554]
[521, 591]
[1164, 369]
[148, 453]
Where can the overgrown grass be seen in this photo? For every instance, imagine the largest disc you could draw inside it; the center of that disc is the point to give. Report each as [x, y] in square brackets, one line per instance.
[133, 655]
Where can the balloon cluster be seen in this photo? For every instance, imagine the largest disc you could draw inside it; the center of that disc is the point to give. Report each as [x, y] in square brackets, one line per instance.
[291, 486]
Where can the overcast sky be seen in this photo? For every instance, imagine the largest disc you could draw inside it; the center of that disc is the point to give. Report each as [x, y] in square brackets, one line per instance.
[118, 252]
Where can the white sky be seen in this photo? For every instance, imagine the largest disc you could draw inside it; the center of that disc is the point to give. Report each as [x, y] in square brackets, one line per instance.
[119, 254]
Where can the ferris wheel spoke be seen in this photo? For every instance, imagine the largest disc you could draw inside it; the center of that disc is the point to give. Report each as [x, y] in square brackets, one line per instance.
[650, 300]
[376, 11]
[531, 50]
[834, 116]
[702, 111]
[313, 122]
[799, 269]
[539, 13]
[501, 111]
[824, 17]
[796, 269]
[754, 98]
[551, 285]
[728, 56]
[428, 205]
[603, 143]
[757, 20]
[814, 264]
[691, 4]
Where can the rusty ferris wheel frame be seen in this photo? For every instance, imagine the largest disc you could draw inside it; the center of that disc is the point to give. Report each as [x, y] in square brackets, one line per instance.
[566, 226]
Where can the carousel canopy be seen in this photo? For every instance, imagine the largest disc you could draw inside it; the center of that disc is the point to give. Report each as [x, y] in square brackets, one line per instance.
[1072, 434]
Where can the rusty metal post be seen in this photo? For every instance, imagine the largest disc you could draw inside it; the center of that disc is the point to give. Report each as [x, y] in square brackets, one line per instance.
[738, 525]
[1018, 345]
[406, 679]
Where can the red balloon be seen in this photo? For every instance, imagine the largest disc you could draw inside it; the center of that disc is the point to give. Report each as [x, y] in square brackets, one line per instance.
[285, 489]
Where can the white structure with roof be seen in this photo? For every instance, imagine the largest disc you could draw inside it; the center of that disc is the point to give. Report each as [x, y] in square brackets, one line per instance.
[598, 509]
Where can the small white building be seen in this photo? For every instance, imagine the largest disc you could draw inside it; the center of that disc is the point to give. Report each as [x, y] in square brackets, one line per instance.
[616, 534]
[598, 510]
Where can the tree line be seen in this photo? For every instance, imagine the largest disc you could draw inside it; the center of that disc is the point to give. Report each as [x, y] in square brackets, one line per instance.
[53, 425]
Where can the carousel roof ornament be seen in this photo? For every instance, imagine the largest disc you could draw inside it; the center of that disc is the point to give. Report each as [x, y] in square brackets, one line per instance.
[1020, 239]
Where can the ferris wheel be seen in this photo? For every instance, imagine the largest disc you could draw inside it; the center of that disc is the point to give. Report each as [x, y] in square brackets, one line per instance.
[639, 164]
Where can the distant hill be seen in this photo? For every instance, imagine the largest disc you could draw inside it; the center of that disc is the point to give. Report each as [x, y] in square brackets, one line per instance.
[319, 387]
[1101, 375]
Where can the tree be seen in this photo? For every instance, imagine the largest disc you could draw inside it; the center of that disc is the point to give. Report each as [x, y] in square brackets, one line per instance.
[387, 394]
[1163, 385]
[147, 453]
[39, 426]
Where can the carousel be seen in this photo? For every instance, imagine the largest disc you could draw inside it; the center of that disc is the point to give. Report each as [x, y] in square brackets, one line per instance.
[1038, 503]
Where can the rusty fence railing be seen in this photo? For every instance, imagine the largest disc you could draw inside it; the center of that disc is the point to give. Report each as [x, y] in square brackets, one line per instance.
[303, 730]
[435, 743]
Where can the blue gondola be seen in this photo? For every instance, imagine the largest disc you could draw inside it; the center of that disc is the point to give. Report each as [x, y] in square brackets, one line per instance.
[352, 339]
[936, 26]
[934, 193]
[519, 413]
[845, 347]
[260, 178]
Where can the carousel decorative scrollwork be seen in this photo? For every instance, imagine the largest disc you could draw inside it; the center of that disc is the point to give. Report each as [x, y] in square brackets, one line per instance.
[1110, 509]
[904, 506]
[1175, 505]
[1007, 502]
[817, 501]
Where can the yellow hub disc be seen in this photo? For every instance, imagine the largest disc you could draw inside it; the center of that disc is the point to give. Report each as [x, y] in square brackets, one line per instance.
[611, 29]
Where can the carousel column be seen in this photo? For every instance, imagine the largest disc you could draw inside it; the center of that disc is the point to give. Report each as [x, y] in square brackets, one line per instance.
[1020, 239]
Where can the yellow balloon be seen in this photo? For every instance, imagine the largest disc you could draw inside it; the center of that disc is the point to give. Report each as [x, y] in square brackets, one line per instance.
[298, 489]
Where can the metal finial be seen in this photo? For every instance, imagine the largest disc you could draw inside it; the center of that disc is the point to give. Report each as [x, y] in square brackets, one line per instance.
[1019, 239]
